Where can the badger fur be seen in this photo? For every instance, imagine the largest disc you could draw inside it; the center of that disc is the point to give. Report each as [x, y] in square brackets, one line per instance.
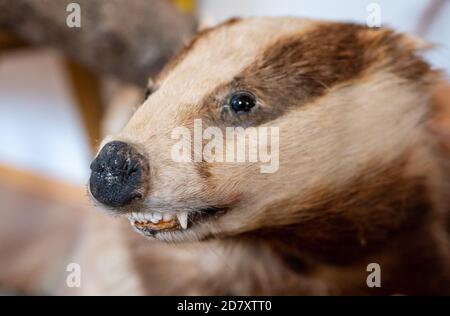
[361, 180]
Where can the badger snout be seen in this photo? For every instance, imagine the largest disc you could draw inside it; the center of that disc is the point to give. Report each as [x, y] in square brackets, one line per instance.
[117, 174]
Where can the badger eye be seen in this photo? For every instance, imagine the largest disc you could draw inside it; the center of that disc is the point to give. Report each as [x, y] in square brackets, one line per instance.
[242, 101]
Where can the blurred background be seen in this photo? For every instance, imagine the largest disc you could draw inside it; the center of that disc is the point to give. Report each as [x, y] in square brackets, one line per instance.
[62, 88]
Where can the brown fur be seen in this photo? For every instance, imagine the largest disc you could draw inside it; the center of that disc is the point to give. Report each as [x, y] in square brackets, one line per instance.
[294, 70]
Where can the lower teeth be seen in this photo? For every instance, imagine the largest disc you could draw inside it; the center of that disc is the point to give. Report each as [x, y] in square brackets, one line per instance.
[155, 226]
[158, 221]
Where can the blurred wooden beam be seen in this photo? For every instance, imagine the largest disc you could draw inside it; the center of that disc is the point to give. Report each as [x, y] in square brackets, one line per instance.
[34, 184]
[87, 92]
[428, 16]
[10, 41]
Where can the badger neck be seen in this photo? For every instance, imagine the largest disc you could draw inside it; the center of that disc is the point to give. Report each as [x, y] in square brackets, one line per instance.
[360, 218]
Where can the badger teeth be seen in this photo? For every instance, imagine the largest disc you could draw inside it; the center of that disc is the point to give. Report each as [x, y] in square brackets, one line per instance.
[158, 217]
[183, 219]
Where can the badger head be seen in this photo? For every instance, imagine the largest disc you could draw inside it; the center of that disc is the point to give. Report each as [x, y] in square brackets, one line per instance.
[330, 116]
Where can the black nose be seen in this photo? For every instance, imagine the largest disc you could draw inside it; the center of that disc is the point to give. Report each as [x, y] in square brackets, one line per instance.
[117, 174]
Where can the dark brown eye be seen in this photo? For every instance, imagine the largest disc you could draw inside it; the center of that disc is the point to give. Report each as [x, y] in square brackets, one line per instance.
[242, 102]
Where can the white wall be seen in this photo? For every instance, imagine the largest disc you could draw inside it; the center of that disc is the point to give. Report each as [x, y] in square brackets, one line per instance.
[40, 128]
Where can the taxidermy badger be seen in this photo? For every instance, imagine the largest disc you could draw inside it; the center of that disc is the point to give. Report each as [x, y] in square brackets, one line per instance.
[360, 179]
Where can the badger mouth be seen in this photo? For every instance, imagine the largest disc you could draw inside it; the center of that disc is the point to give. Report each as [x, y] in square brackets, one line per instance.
[149, 223]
